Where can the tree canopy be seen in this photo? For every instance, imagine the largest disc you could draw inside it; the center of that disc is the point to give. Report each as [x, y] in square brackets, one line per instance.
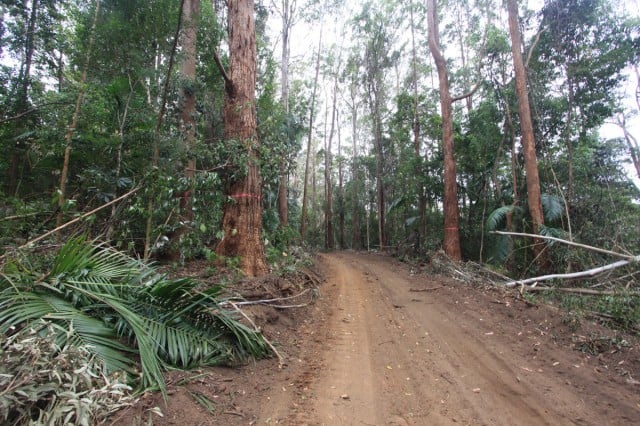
[384, 125]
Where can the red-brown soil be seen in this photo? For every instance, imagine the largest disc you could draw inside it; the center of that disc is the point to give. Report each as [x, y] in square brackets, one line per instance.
[386, 344]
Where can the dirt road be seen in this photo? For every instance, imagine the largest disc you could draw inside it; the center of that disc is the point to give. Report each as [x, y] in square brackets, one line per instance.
[387, 345]
[403, 350]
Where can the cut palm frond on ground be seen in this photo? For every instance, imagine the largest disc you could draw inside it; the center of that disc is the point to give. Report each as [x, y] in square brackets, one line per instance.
[125, 310]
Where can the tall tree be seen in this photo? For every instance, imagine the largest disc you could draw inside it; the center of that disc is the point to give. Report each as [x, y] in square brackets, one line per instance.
[528, 142]
[187, 107]
[328, 164]
[312, 107]
[451, 210]
[288, 14]
[378, 43]
[242, 217]
[417, 137]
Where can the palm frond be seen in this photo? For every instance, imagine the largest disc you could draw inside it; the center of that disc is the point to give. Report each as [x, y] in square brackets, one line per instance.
[118, 306]
[498, 216]
[552, 207]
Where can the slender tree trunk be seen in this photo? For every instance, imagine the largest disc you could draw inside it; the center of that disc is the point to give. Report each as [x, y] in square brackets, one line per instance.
[355, 217]
[155, 157]
[122, 121]
[568, 143]
[422, 199]
[303, 220]
[377, 140]
[328, 165]
[340, 191]
[242, 217]
[62, 195]
[451, 210]
[287, 22]
[528, 142]
[22, 104]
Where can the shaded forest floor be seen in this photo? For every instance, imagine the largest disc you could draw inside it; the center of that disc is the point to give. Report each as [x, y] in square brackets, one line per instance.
[388, 343]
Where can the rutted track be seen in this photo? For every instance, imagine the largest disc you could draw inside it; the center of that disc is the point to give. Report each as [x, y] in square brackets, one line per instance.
[390, 355]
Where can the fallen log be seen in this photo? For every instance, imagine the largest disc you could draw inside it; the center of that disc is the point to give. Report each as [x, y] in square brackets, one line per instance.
[588, 273]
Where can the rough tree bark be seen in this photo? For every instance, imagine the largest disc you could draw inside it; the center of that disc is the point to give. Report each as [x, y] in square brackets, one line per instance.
[187, 120]
[242, 216]
[451, 212]
[528, 142]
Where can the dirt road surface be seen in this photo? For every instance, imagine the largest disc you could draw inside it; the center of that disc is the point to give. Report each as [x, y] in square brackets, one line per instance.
[401, 351]
[386, 344]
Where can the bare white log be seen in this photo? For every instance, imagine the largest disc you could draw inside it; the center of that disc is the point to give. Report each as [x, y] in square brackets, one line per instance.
[582, 274]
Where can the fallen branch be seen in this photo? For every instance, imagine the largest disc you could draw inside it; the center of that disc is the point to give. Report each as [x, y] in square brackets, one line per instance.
[23, 216]
[416, 290]
[571, 243]
[269, 301]
[77, 219]
[587, 273]
[281, 360]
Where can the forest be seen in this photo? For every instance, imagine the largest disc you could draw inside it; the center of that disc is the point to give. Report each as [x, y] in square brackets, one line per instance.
[501, 133]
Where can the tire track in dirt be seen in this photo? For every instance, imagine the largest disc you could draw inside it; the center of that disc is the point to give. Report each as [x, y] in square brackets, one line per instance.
[390, 356]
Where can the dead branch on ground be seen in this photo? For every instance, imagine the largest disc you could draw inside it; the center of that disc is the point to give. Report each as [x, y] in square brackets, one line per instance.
[588, 273]
[281, 360]
[425, 289]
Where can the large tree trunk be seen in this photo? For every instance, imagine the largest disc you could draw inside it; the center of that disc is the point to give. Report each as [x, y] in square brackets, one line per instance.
[451, 211]
[242, 217]
[528, 142]
[187, 120]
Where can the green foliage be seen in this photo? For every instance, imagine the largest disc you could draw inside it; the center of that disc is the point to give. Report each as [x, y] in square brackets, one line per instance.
[620, 310]
[498, 216]
[121, 309]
